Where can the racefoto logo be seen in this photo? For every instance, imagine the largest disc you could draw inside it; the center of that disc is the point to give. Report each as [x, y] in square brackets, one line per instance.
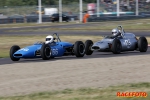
[131, 94]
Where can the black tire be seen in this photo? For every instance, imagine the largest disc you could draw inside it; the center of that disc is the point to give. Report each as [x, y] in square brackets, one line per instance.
[79, 49]
[116, 46]
[67, 20]
[88, 45]
[45, 52]
[142, 44]
[13, 49]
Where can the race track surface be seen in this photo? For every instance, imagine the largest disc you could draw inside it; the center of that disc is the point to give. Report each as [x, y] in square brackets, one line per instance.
[96, 71]
[99, 70]
[94, 55]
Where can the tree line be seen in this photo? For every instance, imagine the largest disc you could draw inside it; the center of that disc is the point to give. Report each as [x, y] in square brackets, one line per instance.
[4, 3]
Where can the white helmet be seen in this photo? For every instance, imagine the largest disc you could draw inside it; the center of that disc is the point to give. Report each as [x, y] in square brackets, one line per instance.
[116, 32]
[49, 39]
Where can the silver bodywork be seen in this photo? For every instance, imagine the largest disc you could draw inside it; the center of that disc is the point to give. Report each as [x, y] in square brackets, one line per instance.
[128, 42]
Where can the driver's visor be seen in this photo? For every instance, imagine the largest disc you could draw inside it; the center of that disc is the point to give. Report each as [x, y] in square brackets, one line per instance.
[48, 39]
[114, 32]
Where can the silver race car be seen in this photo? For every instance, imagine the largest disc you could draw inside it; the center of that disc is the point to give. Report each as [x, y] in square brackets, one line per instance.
[118, 42]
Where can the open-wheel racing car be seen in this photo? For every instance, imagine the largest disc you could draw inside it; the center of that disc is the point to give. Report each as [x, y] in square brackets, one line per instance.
[52, 47]
[118, 42]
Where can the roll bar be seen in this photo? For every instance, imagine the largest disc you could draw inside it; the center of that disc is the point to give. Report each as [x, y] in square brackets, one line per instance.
[122, 30]
[58, 39]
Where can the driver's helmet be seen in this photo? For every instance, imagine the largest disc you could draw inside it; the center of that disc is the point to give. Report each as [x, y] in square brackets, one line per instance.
[49, 39]
[115, 32]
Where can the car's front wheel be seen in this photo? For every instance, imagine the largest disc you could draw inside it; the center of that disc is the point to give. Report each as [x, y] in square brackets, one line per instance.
[142, 44]
[13, 49]
[79, 49]
[45, 52]
[116, 46]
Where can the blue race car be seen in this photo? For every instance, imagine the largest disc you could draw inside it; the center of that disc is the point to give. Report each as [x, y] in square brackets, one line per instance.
[52, 47]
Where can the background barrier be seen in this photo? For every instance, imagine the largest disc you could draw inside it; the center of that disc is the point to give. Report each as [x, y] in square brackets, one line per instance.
[107, 11]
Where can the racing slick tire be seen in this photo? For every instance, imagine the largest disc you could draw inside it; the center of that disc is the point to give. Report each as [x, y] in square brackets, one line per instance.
[116, 46]
[88, 45]
[142, 44]
[45, 52]
[79, 49]
[13, 49]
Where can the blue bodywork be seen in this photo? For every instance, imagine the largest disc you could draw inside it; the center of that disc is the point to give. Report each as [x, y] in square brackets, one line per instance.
[57, 49]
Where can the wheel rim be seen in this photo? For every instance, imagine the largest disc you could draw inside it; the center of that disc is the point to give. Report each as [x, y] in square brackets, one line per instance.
[81, 49]
[47, 52]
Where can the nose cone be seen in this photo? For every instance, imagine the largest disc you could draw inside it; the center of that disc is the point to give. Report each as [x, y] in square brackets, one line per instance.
[100, 46]
[96, 46]
[27, 52]
[24, 53]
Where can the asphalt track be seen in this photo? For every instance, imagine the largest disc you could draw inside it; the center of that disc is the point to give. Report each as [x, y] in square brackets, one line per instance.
[95, 54]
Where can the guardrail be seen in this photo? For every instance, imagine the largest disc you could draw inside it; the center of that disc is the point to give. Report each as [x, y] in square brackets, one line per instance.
[26, 19]
[29, 19]
[115, 18]
[94, 18]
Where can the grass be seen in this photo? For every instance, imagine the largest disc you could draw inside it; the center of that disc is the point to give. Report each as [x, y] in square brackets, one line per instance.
[108, 93]
[127, 27]
[7, 41]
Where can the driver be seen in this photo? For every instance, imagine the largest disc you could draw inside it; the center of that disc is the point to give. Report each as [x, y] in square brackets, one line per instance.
[49, 39]
[116, 32]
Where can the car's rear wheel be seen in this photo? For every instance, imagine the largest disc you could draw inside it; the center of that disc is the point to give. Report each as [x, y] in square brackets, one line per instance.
[142, 44]
[116, 46]
[45, 52]
[79, 49]
[88, 45]
[13, 49]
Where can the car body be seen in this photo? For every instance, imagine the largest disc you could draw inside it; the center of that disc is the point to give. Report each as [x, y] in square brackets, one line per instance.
[55, 17]
[47, 51]
[117, 44]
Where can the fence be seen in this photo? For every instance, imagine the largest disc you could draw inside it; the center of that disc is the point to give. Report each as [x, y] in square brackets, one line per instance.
[74, 8]
[26, 10]
[29, 19]
[24, 13]
[115, 18]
